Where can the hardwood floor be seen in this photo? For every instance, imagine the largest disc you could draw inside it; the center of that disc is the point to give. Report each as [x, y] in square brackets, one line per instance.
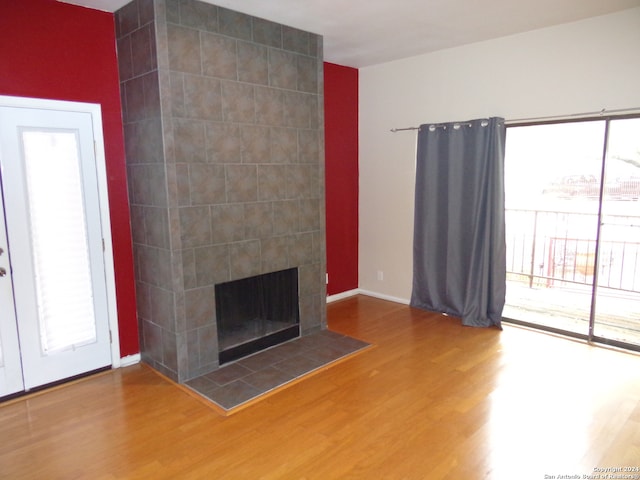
[431, 400]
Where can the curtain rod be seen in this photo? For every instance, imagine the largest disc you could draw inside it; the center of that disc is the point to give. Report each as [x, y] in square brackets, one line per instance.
[555, 117]
[600, 113]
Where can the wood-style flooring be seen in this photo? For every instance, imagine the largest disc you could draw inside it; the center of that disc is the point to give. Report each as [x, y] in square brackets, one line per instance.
[431, 400]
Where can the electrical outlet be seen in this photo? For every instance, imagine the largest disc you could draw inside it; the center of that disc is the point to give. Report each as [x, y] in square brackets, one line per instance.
[380, 275]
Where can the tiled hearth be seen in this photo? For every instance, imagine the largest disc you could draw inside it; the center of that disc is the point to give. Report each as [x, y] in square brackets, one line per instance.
[236, 384]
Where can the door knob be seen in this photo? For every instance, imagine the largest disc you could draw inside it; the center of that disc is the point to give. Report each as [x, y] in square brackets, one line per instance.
[3, 272]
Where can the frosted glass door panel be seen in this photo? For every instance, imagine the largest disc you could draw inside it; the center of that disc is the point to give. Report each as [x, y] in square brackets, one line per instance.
[58, 239]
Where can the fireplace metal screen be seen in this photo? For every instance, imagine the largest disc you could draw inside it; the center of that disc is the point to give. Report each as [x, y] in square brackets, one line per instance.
[256, 313]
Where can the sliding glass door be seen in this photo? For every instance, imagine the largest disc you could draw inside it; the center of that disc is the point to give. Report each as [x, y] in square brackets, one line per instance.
[617, 299]
[572, 211]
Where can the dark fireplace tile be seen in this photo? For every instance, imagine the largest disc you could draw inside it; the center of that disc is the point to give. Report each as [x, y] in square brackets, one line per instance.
[316, 48]
[296, 40]
[309, 279]
[270, 182]
[242, 183]
[349, 343]
[297, 110]
[309, 146]
[301, 249]
[127, 19]
[285, 217]
[261, 360]
[228, 222]
[156, 221]
[182, 189]
[307, 74]
[184, 49]
[324, 354]
[203, 385]
[237, 102]
[267, 33]
[289, 349]
[258, 220]
[316, 341]
[154, 264]
[169, 352]
[189, 269]
[282, 69]
[235, 393]
[234, 24]
[223, 143]
[255, 143]
[274, 254]
[252, 63]
[208, 338]
[284, 145]
[299, 365]
[162, 307]
[176, 89]
[228, 373]
[296, 181]
[199, 15]
[153, 341]
[309, 215]
[202, 97]
[211, 265]
[189, 141]
[310, 315]
[269, 106]
[149, 141]
[199, 307]
[125, 65]
[195, 226]
[268, 378]
[317, 115]
[207, 185]
[244, 259]
[143, 57]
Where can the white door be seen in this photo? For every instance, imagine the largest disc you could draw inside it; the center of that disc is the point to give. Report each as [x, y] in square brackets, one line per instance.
[10, 364]
[54, 299]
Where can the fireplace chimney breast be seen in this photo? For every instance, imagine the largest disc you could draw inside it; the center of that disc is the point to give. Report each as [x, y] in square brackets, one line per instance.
[223, 123]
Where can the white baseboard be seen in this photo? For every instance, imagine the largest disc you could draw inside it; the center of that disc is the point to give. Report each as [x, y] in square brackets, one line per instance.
[382, 296]
[359, 291]
[128, 360]
[342, 295]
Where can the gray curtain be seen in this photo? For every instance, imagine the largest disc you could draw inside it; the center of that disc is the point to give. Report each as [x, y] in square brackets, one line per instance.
[459, 264]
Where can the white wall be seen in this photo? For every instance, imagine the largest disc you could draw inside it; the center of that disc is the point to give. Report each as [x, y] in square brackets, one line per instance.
[578, 67]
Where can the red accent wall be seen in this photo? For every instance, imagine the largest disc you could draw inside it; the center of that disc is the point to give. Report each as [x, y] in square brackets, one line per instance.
[64, 52]
[341, 164]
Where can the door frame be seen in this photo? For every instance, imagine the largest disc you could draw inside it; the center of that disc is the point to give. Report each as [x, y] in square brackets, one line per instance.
[95, 111]
[590, 335]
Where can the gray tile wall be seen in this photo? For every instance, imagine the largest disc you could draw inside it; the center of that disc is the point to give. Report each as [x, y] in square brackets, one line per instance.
[223, 118]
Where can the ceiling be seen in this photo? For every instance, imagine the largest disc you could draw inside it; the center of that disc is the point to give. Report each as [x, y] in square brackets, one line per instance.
[360, 33]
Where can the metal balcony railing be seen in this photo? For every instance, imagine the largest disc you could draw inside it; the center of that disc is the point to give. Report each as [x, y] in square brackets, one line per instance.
[553, 248]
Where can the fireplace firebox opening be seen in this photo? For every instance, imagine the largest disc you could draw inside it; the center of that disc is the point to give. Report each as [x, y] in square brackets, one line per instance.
[256, 313]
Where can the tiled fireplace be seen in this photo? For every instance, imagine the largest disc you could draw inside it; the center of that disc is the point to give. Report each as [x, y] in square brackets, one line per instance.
[223, 118]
